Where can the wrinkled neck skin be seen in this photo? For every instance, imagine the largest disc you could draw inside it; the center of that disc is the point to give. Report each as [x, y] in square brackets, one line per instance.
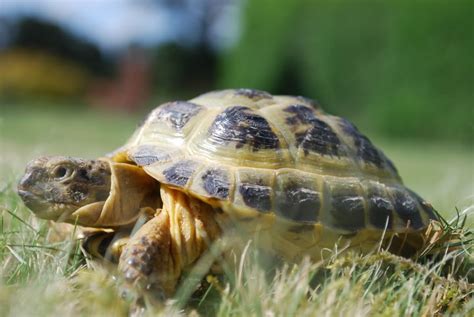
[131, 190]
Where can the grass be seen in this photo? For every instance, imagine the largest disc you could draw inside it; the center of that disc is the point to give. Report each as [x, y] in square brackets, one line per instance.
[43, 276]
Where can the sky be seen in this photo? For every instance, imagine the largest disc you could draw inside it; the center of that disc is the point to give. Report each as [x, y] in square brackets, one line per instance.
[113, 24]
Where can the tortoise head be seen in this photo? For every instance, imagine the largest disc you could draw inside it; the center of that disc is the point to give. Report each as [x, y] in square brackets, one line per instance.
[56, 186]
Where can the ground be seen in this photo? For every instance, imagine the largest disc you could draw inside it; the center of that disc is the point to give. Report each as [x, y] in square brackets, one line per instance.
[42, 277]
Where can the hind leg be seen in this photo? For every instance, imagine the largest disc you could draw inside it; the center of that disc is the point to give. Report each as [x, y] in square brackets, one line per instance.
[108, 244]
[104, 246]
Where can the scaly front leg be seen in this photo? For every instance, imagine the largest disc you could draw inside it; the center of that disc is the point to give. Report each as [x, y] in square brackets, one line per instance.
[156, 255]
[146, 261]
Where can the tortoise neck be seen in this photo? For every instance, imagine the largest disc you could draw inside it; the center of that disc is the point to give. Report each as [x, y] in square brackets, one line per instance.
[131, 189]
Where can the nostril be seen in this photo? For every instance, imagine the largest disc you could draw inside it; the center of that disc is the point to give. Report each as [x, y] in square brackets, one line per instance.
[26, 181]
[83, 174]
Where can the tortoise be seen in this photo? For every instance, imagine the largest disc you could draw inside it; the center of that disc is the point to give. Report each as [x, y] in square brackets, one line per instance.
[238, 161]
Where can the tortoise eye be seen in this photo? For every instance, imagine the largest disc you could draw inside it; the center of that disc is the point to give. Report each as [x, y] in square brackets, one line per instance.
[60, 172]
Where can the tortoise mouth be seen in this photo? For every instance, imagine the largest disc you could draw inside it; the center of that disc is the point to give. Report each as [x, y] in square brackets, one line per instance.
[32, 201]
[42, 208]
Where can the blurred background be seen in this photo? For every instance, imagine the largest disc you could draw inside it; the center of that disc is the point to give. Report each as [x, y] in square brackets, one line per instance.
[76, 76]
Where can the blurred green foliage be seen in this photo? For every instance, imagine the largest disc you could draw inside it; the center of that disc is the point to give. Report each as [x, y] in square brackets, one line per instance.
[401, 68]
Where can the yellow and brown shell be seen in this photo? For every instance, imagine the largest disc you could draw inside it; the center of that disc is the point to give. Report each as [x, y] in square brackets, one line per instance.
[251, 153]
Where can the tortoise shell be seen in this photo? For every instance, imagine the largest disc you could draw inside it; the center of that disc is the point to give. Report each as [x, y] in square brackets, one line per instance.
[251, 153]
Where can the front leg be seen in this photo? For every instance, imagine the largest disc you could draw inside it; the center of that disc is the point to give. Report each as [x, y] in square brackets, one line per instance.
[156, 255]
[145, 261]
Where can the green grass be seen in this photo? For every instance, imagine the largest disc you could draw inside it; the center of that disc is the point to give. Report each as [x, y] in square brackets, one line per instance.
[40, 276]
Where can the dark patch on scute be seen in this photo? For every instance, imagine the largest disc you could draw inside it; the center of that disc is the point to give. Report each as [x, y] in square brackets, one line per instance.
[179, 173]
[429, 210]
[407, 208]
[297, 203]
[177, 113]
[366, 151]
[148, 154]
[426, 206]
[256, 196]
[301, 114]
[253, 94]
[216, 183]
[380, 209]
[244, 127]
[348, 212]
[319, 137]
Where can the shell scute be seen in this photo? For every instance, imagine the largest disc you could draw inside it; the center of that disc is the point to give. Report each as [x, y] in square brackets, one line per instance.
[406, 208]
[256, 196]
[212, 183]
[311, 133]
[243, 127]
[180, 173]
[427, 208]
[147, 154]
[216, 183]
[297, 197]
[380, 207]
[254, 189]
[176, 114]
[347, 206]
